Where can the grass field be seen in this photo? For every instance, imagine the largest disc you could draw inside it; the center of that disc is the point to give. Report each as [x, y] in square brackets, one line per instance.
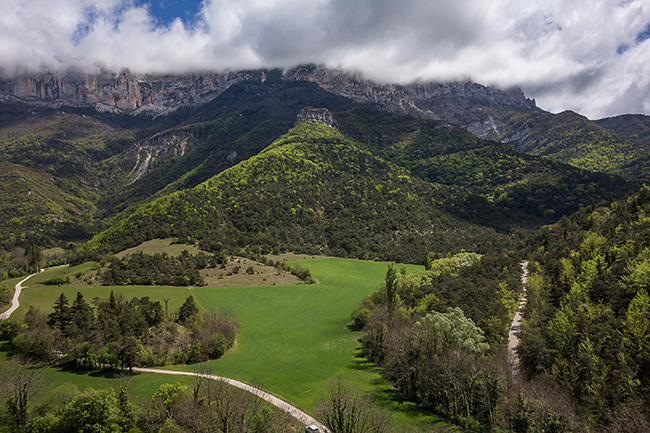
[43, 296]
[293, 339]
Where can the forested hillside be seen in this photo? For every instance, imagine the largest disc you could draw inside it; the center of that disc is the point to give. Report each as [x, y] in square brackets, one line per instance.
[492, 175]
[587, 323]
[573, 139]
[90, 170]
[314, 190]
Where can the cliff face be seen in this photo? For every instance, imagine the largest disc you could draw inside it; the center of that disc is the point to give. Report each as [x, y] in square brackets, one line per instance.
[471, 105]
[124, 92]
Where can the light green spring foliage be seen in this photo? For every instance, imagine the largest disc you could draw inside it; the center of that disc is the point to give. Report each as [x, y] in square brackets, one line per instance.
[169, 393]
[637, 323]
[451, 330]
[639, 272]
[448, 264]
[92, 412]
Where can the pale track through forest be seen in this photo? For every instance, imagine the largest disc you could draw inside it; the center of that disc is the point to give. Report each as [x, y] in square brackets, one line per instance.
[515, 327]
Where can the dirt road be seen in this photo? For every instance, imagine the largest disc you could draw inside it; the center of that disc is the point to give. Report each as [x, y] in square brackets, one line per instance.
[515, 327]
[281, 404]
[15, 302]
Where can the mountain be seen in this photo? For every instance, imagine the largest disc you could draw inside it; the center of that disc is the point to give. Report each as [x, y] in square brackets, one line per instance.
[535, 190]
[465, 103]
[500, 114]
[321, 191]
[104, 165]
[573, 139]
[635, 127]
[313, 190]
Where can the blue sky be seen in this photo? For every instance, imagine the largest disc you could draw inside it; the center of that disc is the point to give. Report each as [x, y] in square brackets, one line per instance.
[588, 56]
[166, 11]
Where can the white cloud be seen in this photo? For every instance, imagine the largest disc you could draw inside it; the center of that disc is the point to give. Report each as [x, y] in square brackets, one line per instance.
[564, 53]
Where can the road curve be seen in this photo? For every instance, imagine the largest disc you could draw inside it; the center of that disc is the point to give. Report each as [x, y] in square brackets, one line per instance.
[515, 327]
[15, 302]
[281, 404]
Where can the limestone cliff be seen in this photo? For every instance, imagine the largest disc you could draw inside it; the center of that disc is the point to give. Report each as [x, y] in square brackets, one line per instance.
[316, 115]
[468, 104]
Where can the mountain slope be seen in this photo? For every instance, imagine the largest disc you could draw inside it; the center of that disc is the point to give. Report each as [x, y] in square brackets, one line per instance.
[157, 95]
[496, 184]
[573, 139]
[313, 190]
[34, 210]
[635, 127]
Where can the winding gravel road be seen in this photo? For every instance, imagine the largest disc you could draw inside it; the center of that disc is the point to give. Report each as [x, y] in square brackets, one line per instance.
[515, 327]
[275, 401]
[15, 302]
[281, 404]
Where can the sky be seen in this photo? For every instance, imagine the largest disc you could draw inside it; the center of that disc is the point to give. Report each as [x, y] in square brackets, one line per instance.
[589, 56]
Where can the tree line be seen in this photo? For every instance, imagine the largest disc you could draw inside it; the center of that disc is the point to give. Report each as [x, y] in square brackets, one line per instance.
[204, 406]
[159, 269]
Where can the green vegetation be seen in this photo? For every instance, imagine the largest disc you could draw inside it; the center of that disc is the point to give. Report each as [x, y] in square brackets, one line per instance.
[159, 269]
[573, 139]
[120, 334]
[314, 191]
[292, 339]
[587, 321]
[193, 405]
[202, 198]
[431, 332]
[490, 183]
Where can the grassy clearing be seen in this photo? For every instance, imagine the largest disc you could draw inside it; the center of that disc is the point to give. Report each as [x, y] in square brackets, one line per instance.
[42, 296]
[243, 272]
[160, 246]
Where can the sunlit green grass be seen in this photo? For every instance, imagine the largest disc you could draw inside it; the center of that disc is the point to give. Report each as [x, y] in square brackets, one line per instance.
[293, 339]
[43, 296]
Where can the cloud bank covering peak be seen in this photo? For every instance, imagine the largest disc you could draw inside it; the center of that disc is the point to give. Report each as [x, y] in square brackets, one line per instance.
[586, 56]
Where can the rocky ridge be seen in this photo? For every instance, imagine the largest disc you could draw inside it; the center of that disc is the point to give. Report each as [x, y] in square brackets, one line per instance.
[468, 104]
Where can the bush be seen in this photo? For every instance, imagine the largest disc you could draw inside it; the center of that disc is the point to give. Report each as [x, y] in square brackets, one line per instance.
[57, 280]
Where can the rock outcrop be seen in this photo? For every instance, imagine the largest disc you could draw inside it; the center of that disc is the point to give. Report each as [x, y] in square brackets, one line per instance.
[316, 115]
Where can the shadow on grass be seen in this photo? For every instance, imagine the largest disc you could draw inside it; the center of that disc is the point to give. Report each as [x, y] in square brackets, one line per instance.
[388, 398]
[105, 373]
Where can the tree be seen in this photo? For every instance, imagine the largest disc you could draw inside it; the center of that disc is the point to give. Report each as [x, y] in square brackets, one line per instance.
[188, 312]
[82, 318]
[34, 255]
[637, 323]
[390, 285]
[439, 332]
[61, 317]
[427, 262]
[18, 384]
[345, 410]
[92, 412]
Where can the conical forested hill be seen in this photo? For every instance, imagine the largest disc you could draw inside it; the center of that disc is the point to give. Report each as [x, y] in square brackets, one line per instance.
[313, 190]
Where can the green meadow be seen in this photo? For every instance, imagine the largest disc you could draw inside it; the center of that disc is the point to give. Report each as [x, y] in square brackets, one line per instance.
[293, 339]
